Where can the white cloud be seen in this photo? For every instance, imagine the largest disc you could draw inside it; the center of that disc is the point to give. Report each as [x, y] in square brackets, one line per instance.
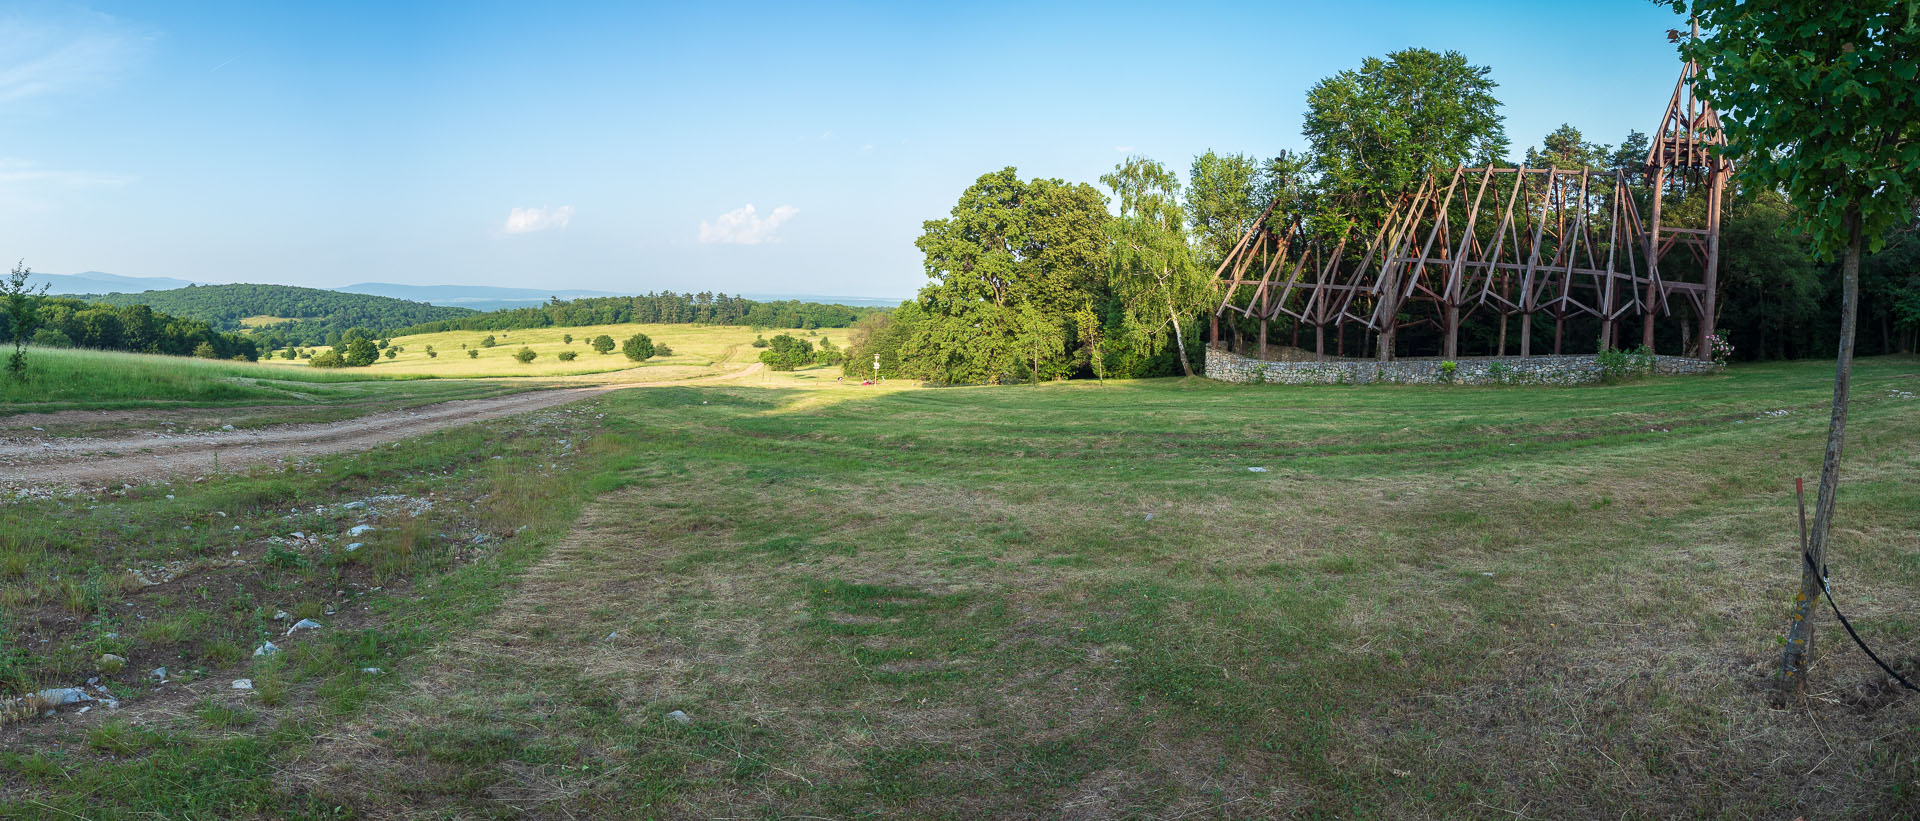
[744, 226]
[525, 220]
[15, 170]
[49, 59]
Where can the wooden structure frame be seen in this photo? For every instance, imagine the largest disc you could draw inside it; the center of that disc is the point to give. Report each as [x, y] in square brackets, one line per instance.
[1564, 242]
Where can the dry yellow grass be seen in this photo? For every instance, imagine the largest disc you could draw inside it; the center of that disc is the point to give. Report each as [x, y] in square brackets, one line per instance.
[697, 350]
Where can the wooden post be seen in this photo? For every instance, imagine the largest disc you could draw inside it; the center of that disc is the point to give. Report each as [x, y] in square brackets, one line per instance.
[1214, 334]
[1263, 338]
[1319, 343]
[1502, 349]
[1526, 335]
[1710, 313]
[1559, 327]
[1793, 663]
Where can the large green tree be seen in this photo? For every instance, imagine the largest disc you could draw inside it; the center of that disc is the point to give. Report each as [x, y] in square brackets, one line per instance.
[1154, 272]
[1821, 100]
[1224, 197]
[1377, 131]
[1009, 245]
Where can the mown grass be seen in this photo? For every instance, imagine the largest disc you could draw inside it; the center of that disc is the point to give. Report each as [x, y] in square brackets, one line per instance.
[1077, 601]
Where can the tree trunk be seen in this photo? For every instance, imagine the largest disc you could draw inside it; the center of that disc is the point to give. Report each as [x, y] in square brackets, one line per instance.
[1793, 664]
[1526, 335]
[1180, 341]
[1263, 340]
[1502, 351]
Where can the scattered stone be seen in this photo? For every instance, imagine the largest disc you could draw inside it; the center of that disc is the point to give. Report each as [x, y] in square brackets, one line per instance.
[299, 535]
[226, 427]
[280, 615]
[1149, 517]
[613, 635]
[62, 696]
[679, 717]
[355, 546]
[303, 624]
[1256, 470]
[372, 671]
[357, 530]
[110, 663]
[243, 684]
[159, 673]
[266, 649]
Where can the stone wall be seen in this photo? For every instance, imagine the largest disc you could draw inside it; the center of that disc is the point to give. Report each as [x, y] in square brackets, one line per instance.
[1576, 369]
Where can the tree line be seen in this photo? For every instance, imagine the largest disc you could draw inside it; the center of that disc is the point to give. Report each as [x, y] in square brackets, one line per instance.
[65, 322]
[1042, 278]
[664, 308]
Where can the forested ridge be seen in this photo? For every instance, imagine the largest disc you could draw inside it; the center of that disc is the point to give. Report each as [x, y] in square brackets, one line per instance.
[317, 316]
[666, 307]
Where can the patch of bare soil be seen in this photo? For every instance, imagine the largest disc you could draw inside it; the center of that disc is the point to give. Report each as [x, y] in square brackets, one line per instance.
[41, 461]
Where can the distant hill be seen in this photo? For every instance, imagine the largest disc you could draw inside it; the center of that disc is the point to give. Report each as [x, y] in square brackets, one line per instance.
[100, 282]
[314, 314]
[477, 297]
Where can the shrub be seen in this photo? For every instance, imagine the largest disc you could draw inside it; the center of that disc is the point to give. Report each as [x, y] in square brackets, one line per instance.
[760, 342]
[205, 350]
[52, 338]
[785, 352]
[1720, 349]
[288, 354]
[328, 359]
[1449, 369]
[433, 354]
[487, 341]
[603, 344]
[566, 338]
[662, 350]
[473, 354]
[568, 356]
[360, 353]
[637, 347]
[525, 355]
[393, 352]
[1623, 365]
[285, 558]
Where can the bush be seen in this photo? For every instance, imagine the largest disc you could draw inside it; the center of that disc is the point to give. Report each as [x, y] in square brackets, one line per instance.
[487, 341]
[327, 359]
[662, 350]
[1620, 366]
[288, 354]
[603, 343]
[566, 338]
[569, 356]
[52, 338]
[393, 352]
[785, 352]
[205, 350]
[525, 355]
[473, 354]
[759, 341]
[637, 347]
[360, 353]
[433, 354]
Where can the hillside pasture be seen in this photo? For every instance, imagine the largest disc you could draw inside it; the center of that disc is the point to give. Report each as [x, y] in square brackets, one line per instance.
[697, 350]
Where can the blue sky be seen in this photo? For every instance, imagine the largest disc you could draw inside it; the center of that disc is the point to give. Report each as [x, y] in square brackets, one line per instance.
[617, 146]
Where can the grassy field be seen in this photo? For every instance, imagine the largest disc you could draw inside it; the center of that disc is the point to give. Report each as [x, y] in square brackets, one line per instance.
[696, 349]
[1070, 600]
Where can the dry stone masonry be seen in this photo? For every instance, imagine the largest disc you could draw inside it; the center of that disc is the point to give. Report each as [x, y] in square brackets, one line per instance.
[1577, 369]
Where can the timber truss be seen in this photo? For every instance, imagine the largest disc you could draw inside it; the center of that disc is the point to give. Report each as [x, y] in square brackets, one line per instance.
[1564, 243]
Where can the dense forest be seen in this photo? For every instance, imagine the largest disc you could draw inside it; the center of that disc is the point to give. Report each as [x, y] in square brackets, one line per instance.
[1032, 279]
[315, 316]
[666, 307]
[66, 322]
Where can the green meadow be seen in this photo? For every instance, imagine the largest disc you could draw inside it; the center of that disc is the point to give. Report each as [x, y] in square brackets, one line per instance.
[1069, 600]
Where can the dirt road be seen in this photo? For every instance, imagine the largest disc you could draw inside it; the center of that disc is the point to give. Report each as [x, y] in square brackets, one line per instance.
[153, 455]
